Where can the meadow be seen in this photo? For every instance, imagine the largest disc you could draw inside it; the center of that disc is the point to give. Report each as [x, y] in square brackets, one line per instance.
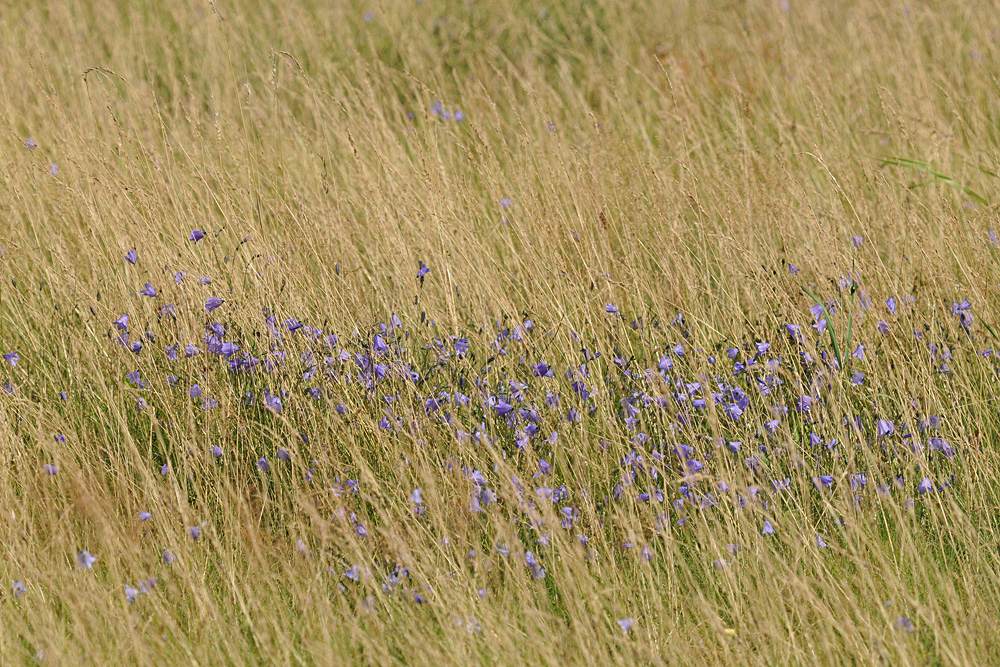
[499, 332]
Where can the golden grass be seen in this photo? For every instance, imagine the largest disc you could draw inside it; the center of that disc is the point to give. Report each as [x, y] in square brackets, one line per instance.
[695, 150]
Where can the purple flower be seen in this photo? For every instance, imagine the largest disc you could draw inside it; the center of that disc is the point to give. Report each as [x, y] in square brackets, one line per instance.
[904, 623]
[190, 350]
[505, 203]
[263, 465]
[536, 567]
[179, 276]
[212, 302]
[768, 528]
[50, 469]
[859, 352]
[122, 322]
[194, 532]
[626, 624]
[148, 290]
[423, 270]
[883, 327]
[885, 427]
[925, 486]
[134, 379]
[131, 257]
[30, 144]
[890, 304]
[18, 588]
[459, 115]
[611, 308]
[169, 557]
[84, 560]
[12, 358]
[272, 402]
[131, 593]
[857, 241]
[283, 455]
[820, 542]
[165, 469]
[217, 452]
[196, 235]
[195, 391]
[794, 270]
[145, 516]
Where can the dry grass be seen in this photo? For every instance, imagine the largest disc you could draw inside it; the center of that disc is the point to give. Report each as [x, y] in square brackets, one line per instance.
[695, 150]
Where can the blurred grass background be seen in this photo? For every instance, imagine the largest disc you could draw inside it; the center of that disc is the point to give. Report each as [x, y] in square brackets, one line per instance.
[664, 157]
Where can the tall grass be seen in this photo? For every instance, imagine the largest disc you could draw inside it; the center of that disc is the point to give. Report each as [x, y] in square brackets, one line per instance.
[544, 161]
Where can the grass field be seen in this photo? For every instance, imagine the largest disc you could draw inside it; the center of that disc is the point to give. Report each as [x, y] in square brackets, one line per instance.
[501, 332]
